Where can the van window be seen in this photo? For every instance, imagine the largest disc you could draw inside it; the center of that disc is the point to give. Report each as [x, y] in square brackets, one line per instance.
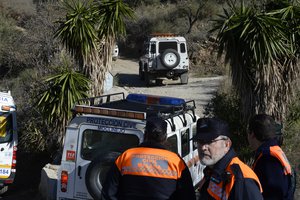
[95, 141]
[6, 129]
[185, 142]
[172, 143]
[153, 48]
[167, 45]
[194, 133]
[182, 48]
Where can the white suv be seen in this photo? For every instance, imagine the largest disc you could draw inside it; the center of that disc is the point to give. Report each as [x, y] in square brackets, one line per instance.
[164, 56]
[103, 127]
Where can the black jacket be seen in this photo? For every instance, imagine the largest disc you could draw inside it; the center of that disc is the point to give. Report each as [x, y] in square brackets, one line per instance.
[270, 172]
[243, 188]
[148, 172]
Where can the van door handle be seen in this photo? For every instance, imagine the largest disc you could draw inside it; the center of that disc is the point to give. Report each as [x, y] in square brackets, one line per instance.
[79, 171]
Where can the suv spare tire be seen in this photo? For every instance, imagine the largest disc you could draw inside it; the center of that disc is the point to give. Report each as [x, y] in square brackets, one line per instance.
[170, 58]
[97, 171]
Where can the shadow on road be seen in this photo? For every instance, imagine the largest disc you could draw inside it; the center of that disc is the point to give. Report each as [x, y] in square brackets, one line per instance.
[133, 80]
[129, 80]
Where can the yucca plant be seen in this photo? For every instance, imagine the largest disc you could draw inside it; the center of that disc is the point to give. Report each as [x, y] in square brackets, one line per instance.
[261, 47]
[89, 33]
[63, 91]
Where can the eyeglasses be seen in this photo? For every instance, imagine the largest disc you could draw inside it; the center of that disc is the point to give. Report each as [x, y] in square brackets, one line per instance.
[201, 142]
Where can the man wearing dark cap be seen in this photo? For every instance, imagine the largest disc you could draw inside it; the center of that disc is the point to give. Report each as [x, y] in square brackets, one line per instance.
[270, 165]
[225, 175]
[149, 172]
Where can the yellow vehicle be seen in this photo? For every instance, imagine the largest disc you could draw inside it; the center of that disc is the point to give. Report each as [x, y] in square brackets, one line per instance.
[8, 140]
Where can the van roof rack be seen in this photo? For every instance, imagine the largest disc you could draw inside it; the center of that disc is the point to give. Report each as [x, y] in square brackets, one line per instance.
[164, 35]
[137, 106]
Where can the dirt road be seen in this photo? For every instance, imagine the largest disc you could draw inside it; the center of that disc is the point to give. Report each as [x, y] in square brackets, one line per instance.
[126, 77]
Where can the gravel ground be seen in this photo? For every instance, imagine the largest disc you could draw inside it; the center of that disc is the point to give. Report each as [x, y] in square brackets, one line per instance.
[201, 90]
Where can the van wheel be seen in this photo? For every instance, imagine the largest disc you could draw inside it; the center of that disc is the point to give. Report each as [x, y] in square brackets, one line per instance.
[184, 78]
[141, 74]
[170, 58]
[148, 79]
[3, 189]
[97, 171]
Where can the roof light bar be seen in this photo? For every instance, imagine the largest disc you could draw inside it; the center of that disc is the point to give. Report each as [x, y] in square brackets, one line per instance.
[109, 112]
[152, 99]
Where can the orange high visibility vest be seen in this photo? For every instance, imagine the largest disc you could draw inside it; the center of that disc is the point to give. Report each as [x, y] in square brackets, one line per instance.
[144, 161]
[220, 192]
[277, 152]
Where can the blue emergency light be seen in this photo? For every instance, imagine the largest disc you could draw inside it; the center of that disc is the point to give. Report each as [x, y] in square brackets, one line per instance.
[152, 99]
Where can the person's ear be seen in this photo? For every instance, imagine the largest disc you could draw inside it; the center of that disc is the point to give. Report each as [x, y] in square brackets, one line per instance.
[228, 143]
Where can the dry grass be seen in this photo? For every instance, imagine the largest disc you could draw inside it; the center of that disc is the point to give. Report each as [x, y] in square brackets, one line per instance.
[23, 6]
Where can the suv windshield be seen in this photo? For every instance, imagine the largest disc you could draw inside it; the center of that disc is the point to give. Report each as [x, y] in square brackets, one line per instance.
[5, 127]
[167, 45]
[95, 141]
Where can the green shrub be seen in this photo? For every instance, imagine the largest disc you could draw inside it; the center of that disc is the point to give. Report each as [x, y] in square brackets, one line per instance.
[225, 105]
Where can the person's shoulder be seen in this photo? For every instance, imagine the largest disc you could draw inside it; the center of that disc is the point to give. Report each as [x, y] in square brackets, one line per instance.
[268, 164]
[267, 159]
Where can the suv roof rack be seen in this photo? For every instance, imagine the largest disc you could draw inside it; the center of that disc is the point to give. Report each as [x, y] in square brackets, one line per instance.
[137, 106]
[164, 35]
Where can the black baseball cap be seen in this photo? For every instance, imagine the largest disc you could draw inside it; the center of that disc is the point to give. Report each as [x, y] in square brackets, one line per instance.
[210, 128]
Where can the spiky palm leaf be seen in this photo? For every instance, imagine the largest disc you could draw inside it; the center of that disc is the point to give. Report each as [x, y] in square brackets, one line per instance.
[89, 33]
[259, 49]
[63, 91]
[77, 32]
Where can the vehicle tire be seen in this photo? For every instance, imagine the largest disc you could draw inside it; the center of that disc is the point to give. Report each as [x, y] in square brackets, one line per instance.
[159, 82]
[3, 189]
[184, 78]
[170, 58]
[148, 79]
[97, 171]
[141, 74]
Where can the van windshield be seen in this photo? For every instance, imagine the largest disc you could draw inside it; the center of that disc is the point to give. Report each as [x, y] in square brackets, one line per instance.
[6, 129]
[95, 141]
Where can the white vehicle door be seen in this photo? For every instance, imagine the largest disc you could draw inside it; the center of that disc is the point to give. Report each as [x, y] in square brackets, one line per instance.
[189, 153]
[196, 169]
[185, 151]
[97, 140]
[184, 58]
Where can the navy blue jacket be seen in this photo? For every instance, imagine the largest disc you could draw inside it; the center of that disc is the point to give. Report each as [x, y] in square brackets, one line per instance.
[244, 189]
[271, 175]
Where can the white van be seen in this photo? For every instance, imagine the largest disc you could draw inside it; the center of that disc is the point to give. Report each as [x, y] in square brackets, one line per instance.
[164, 55]
[105, 126]
[8, 140]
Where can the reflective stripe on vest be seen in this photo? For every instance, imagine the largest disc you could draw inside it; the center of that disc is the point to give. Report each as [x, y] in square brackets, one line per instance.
[220, 192]
[277, 152]
[143, 161]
